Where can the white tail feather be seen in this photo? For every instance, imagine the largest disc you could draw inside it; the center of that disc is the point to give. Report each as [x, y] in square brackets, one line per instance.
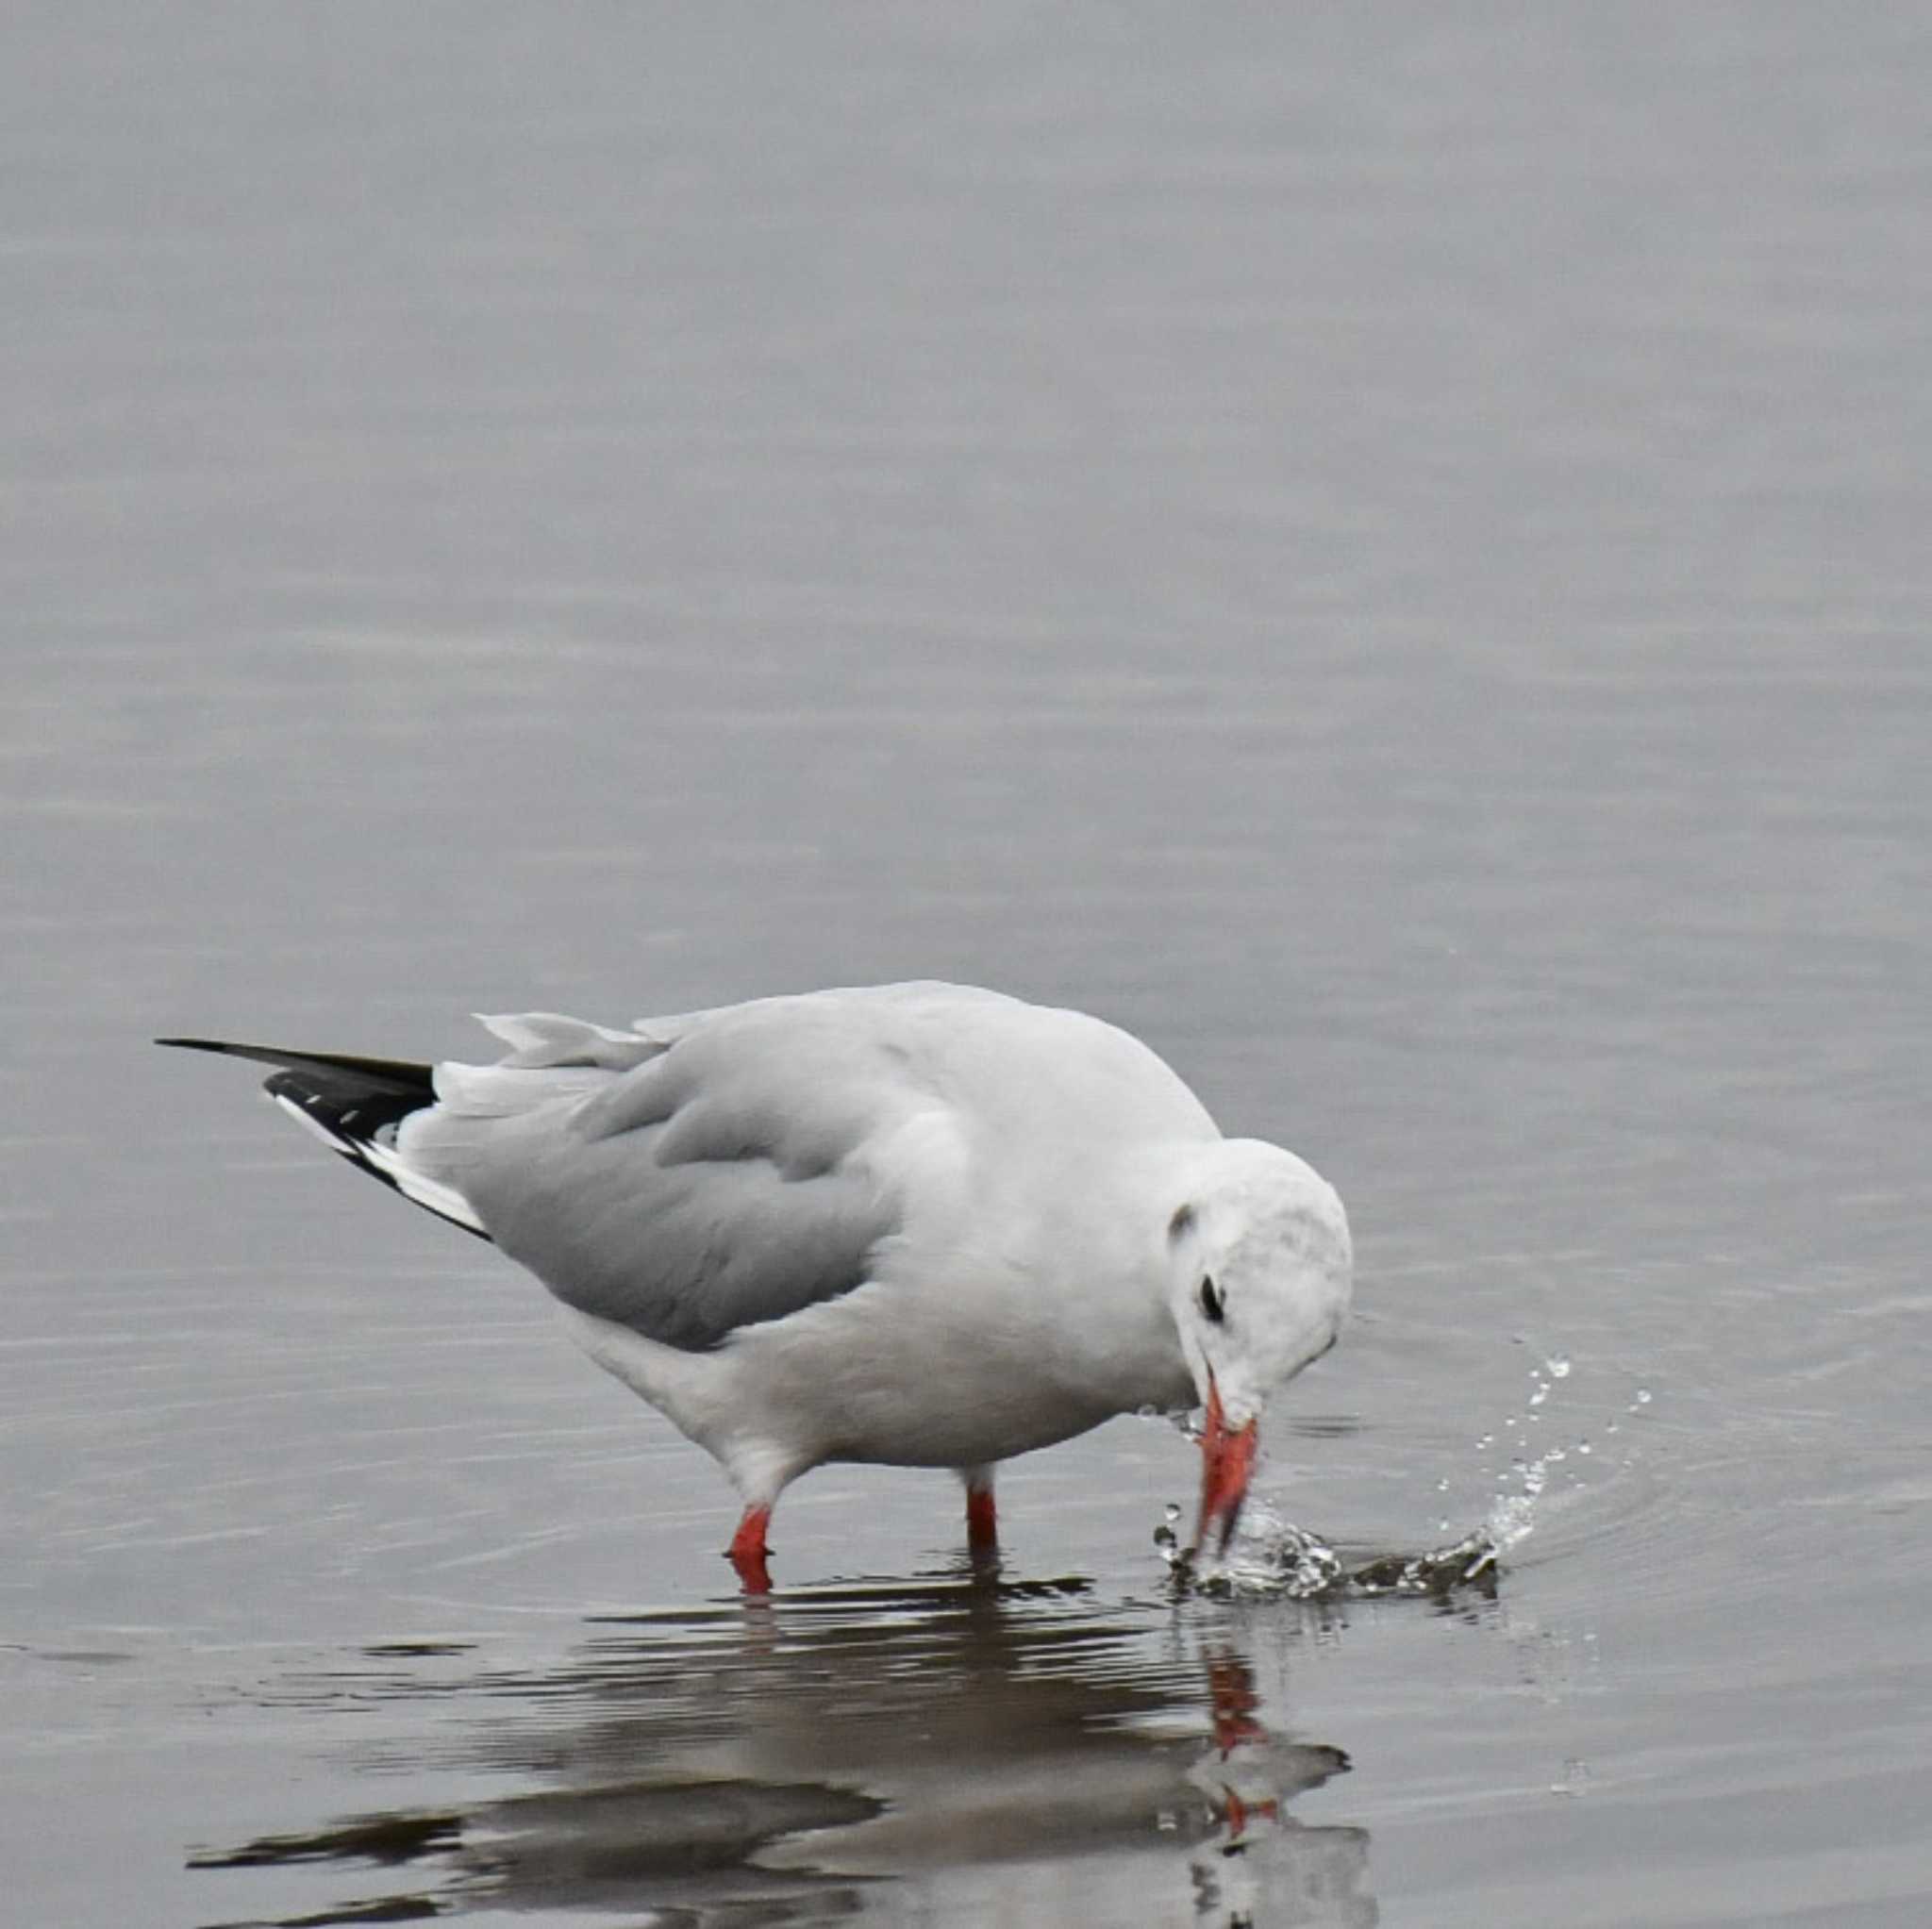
[542, 1039]
[501, 1092]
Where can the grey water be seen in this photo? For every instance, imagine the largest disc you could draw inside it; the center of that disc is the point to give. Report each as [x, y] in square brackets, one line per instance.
[1384, 550]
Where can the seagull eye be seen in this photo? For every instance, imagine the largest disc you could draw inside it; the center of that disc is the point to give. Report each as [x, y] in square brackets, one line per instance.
[1211, 1302]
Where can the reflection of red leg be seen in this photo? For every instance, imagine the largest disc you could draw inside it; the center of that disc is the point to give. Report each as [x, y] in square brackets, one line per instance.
[982, 1520]
[747, 1551]
[1232, 1702]
[1238, 1814]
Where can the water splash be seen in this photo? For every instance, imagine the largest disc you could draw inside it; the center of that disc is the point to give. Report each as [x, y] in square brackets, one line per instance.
[1270, 1556]
[1512, 1513]
[1273, 1557]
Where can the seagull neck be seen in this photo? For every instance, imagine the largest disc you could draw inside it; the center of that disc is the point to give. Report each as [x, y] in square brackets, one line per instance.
[1172, 1173]
[1165, 1181]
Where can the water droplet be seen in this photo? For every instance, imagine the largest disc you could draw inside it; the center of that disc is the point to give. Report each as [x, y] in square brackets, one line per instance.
[1540, 1395]
[1174, 1512]
[1510, 1421]
[1643, 1396]
[1443, 1485]
[1487, 1440]
[1441, 1526]
[1610, 1426]
[1510, 1519]
[1583, 1446]
[1558, 1366]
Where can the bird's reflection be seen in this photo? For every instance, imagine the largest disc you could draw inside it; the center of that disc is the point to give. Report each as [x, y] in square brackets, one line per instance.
[958, 1749]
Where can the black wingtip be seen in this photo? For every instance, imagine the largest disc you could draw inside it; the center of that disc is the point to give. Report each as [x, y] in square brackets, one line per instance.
[393, 1074]
[354, 1105]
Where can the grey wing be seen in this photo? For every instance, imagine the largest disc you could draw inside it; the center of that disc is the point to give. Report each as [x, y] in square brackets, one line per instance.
[718, 1184]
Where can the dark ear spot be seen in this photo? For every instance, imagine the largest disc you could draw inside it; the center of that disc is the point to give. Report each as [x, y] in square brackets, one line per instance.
[1182, 1221]
[1212, 1307]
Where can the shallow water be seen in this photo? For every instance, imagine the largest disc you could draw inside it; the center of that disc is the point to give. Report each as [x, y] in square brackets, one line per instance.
[1386, 555]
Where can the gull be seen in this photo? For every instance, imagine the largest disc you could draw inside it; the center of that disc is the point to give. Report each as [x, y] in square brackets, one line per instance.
[918, 1224]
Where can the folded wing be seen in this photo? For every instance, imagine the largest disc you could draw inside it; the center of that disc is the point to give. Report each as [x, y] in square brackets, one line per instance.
[689, 1179]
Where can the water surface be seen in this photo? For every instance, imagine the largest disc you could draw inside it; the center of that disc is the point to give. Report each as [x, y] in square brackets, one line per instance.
[1386, 555]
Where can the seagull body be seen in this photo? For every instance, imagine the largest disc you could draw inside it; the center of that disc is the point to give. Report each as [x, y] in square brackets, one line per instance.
[919, 1224]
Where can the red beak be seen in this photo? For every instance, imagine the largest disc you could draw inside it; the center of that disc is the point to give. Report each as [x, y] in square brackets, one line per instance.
[1228, 1459]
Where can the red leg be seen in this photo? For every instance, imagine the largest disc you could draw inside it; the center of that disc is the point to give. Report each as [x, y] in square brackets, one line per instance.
[982, 1520]
[747, 1551]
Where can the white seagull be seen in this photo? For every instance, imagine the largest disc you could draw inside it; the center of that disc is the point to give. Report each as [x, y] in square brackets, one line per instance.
[919, 1224]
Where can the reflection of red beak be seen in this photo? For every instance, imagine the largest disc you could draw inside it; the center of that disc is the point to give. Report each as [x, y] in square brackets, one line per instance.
[1226, 1461]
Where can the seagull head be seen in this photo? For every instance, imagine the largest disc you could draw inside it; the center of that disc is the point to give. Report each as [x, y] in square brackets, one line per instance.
[1261, 1268]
